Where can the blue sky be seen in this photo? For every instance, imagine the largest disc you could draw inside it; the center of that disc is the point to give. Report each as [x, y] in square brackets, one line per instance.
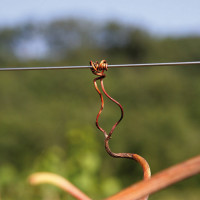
[175, 17]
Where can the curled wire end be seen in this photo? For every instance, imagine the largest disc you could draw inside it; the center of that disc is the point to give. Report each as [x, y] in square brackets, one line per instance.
[98, 68]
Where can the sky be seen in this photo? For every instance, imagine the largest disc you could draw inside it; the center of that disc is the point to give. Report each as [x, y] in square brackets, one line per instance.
[170, 17]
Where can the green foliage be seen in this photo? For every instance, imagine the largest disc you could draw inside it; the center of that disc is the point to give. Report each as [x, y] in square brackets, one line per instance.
[47, 117]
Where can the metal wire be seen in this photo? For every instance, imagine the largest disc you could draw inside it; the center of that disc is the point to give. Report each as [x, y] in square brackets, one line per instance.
[109, 66]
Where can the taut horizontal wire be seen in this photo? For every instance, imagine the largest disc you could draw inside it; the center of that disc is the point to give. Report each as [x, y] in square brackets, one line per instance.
[109, 66]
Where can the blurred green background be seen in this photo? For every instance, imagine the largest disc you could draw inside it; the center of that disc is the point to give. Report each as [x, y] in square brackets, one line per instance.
[47, 120]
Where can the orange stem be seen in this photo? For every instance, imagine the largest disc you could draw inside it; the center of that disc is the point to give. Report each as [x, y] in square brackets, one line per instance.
[160, 180]
[45, 177]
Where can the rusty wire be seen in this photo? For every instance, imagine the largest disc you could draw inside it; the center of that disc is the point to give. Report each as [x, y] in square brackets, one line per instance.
[98, 69]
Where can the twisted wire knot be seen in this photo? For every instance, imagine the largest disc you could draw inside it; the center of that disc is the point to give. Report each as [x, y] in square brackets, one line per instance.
[98, 68]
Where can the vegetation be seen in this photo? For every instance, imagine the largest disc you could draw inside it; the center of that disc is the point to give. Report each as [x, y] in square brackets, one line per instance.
[47, 117]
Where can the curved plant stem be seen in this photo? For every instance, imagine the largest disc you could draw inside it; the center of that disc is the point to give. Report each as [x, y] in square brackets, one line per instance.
[54, 179]
[160, 180]
[137, 191]
[98, 69]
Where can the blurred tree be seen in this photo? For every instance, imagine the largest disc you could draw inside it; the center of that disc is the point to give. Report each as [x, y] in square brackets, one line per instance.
[46, 117]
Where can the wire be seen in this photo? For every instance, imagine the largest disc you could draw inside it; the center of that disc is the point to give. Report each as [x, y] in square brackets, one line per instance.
[109, 66]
